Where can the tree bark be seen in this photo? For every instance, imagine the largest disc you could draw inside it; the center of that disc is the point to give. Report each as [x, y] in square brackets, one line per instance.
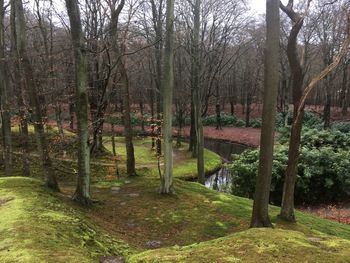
[34, 102]
[166, 186]
[197, 102]
[287, 209]
[5, 103]
[260, 216]
[23, 126]
[82, 192]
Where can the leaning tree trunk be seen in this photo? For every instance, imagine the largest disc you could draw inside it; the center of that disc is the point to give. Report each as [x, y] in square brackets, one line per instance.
[287, 209]
[166, 186]
[34, 102]
[5, 103]
[82, 192]
[260, 215]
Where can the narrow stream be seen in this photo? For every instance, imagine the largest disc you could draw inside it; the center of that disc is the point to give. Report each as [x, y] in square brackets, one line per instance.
[221, 180]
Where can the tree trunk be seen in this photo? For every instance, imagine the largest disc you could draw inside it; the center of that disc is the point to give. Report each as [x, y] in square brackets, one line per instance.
[248, 109]
[124, 81]
[71, 113]
[218, 116]
[260, 216]
[58, 112]
[23, 127]
[287, 209]
[327, 108]
[197, 102]
[82, 192]
[193, 136]
[130, 156]
[4, 102]
[34, 102]
[142, 116]
[166, 186]
[344, 91]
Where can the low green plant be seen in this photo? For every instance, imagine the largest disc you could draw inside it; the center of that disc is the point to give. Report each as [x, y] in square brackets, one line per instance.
[323, 169]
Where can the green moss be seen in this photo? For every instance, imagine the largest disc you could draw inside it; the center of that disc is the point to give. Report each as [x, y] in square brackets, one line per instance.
[35, 226]
[255, 245]
[185, 167]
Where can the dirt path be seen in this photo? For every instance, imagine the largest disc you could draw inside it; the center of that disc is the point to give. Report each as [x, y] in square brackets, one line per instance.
[247, 136]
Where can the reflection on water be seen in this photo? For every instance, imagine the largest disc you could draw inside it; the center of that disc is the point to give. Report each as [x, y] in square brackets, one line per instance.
[221, 180]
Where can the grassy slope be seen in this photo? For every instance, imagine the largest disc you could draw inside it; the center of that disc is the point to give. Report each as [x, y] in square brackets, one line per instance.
[35, 226]
[146, 160]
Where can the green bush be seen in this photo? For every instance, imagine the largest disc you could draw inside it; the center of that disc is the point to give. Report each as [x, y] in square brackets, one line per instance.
[256, 123]
[136, 119]
[226, 120]
[323, 169]
[341, 126]
[311, 120]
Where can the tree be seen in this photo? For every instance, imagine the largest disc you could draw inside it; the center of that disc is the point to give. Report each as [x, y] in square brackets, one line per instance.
[195, 86]
[260, 216]
[5, 101]
[82, 192]
[34, 103]
[168, 85]
[299, 98]
[124, 81]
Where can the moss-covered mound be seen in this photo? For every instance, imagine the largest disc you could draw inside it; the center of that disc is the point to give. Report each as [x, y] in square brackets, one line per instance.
[256, 245]
[39, 226]
[36, 226]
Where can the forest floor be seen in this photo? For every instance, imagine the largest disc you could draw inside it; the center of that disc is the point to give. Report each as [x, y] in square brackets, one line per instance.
[131, 220]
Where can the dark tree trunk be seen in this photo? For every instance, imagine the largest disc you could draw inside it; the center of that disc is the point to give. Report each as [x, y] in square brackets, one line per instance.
[344, 91]
[327, 108]
[260, 215]
[34, 102]
[71, 112]
[23, 127]
[287, 209]
[218, 116]
[130, 156]
[4, 102]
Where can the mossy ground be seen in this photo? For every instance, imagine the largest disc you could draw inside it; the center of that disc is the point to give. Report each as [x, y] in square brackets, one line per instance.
[194, 225]
[36, 226]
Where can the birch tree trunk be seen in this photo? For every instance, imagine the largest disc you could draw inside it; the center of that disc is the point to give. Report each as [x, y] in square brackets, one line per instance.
[82, 192]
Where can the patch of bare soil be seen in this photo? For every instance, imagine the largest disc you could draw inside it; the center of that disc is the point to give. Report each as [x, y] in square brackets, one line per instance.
[6, 200]
[339, 213]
